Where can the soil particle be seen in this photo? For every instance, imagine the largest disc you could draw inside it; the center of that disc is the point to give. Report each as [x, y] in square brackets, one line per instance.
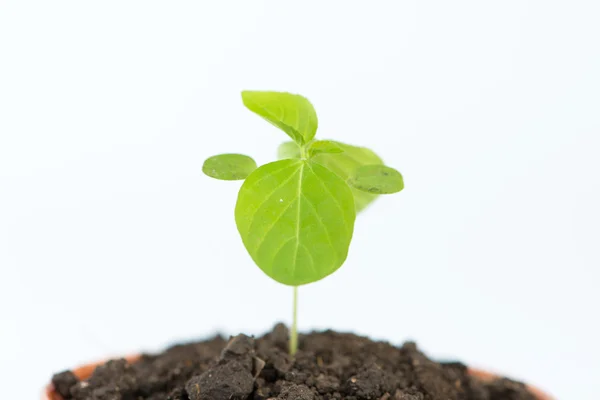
[327, 366]
[296, 392]
[110, 381]
[279, 336]
[230, 380]
[327, 384]
[400, 395]
[371, 382]
[63, 382]
[177, 394]
[240, 348]
[505, 389]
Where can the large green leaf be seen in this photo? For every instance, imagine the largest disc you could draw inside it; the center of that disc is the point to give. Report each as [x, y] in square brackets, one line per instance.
[296, 219]
[323, 146]
[229, 167]
[378, 179]
[344, 164]
[288, 150]
[291, 113]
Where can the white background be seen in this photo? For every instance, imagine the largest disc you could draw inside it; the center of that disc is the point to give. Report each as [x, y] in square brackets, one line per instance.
[112, 241]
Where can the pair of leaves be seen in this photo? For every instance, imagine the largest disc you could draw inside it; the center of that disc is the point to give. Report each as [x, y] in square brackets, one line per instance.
[360, 167]
[292, 113]
[296, 216]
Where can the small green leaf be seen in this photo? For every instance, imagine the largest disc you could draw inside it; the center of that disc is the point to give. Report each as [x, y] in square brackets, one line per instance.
[344, 164]
[288, 150]
[291, 113]
[229, 167]
[323, 146]
[296, 219]
[377, 179]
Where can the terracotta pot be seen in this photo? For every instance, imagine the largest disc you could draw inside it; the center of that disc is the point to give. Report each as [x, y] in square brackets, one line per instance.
[85, 372]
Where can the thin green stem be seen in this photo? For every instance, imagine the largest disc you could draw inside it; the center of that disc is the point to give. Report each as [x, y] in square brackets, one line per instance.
[304, 151]
[294, 331]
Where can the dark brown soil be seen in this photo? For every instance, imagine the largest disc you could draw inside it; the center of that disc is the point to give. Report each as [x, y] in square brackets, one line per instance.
[329, 365]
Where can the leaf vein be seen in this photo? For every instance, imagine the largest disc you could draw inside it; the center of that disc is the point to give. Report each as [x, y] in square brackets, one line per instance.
[335, 200]
[270, 174]
[275, 220]
[276, 252]
[312, 260]
[298, 194]
[321, 222]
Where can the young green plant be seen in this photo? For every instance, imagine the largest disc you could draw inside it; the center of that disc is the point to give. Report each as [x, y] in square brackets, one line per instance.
[296, 215]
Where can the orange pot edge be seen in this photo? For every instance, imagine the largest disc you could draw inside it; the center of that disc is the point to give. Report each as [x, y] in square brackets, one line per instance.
[85, 371]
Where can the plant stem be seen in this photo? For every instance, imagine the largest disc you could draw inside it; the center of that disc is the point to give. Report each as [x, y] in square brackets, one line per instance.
[294, 331]
[304, 152]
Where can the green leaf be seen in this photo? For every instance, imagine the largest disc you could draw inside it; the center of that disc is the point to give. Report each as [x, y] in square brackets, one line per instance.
[288, 150]
[296, 219]
[345, 163]
[291, 113]
[229, 167]
[323, 146]
[377, 179]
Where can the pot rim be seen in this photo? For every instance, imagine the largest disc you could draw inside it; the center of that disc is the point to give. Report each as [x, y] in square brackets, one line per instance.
[488, 376]
[85, 371]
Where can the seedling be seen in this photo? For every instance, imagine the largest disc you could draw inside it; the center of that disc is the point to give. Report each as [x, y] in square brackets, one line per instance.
[296, 215]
